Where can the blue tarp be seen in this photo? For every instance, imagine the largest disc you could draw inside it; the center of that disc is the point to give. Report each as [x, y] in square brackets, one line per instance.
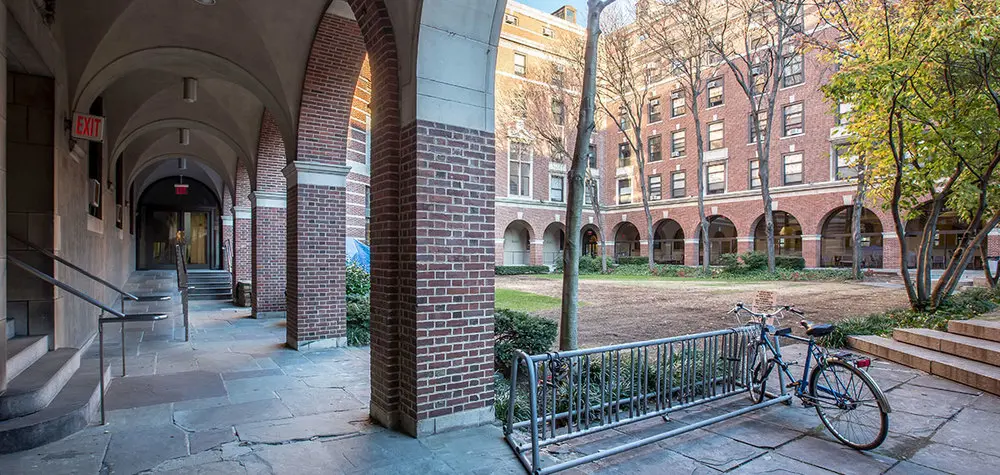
[359, 253]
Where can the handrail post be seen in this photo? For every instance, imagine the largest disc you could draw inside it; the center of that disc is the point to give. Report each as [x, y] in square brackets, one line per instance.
[123, 338]
[100, 372]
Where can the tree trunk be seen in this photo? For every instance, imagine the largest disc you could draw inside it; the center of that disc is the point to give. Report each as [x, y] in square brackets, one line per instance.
[859, 208]
[700, 144]
[991, 278]
[577, 175]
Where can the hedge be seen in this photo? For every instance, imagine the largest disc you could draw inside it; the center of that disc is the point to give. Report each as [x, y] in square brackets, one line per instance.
[521, 270]
[787, 262]
[520, 331]
[635, 260]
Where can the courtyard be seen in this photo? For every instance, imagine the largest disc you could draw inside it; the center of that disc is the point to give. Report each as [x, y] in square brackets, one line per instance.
[618, 310]
[235, 400]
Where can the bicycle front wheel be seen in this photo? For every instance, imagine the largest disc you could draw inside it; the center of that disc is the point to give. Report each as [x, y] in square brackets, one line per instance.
[847, 400]
[757, 369]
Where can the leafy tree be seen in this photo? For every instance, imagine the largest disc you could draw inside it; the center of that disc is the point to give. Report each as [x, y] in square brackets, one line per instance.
[924, 82]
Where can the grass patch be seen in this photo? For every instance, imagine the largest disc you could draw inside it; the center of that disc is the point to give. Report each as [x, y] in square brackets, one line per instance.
[525, 301]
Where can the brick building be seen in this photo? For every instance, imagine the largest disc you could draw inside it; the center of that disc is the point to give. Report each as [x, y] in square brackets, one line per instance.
[810, 181]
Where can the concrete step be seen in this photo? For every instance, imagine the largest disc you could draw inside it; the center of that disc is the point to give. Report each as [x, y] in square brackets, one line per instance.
[218, 296]
[982, 329]
[984, 351]
[24, 351]
[39, 384]
[10, 328]
[978, 375]
[72, 410]
[208, 287]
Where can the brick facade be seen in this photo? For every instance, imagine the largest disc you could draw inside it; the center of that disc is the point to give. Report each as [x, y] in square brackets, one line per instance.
[242, 228]
[268, 223]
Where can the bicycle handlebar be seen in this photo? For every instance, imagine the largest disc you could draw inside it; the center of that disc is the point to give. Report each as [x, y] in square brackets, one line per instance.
[740, 307]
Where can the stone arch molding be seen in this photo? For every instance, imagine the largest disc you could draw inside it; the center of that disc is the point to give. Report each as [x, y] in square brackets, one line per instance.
[192, 124]
[187, 61]
[217, 180]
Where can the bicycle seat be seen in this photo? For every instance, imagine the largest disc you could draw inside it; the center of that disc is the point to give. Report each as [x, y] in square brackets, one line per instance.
[821, 329]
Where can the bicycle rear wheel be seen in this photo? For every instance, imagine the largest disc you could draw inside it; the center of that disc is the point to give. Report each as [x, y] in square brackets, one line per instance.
[847, 400]
[757, 371]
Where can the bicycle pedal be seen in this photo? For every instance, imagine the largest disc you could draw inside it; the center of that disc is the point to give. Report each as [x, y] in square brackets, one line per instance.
[793, 384]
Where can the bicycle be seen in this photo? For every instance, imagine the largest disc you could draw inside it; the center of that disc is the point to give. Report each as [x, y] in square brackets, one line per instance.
[846, 398]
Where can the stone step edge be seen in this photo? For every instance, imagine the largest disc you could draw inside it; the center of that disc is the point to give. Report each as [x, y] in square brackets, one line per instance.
[25, 356]
[75, 408]
[976, 349]
[982, 329]
[22, 401]
[970, 373]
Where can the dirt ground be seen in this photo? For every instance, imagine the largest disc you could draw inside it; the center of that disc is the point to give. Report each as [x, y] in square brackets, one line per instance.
[625, 311]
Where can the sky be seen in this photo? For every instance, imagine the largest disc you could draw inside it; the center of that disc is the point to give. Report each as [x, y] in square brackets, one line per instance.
[549, 6]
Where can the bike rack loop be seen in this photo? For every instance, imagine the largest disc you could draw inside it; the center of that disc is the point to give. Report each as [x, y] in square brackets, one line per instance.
[576, 393]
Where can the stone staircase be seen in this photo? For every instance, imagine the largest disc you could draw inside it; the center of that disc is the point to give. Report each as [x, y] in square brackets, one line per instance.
[49, 395]
[214, 285]
[968, 353]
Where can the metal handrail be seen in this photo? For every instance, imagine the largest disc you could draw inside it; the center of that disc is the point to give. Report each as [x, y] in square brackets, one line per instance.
[73, 266]
[73, 290]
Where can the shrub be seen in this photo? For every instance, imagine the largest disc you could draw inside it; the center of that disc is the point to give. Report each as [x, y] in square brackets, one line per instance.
[520, 331]
[788, 262]
[358, 280]
[754, 261]
[588, 264]
[521, 270]
[731, 263]
[358, 320]
[633, 260]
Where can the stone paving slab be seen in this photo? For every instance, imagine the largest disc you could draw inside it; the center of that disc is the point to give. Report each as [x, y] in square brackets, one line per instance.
[235, 400]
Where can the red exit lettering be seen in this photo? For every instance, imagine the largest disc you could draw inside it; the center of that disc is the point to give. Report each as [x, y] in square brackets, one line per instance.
[88, 127]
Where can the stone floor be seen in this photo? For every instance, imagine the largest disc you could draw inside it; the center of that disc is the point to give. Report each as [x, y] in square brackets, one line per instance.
[235, 400]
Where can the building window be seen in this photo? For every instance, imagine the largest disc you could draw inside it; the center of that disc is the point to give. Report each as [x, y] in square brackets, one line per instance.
[368, 213]
[842, 159]
[754, 174]
[95, 167]
[654, 110]
[558, 75]
[655, 188]
[624, 155]
[655, 148]
[653, 73]
[678, 185]
[758, 75]
[520, 169]
[590, 187]
[793, 168]
[520, 64]
[592, 156]
[557, 184]
[558, 112]
[716, 179]
[762, 124]
[624, 191]
[793, 71]
[716, 136]
[792, 119]
[844, 113]
[715, 92]
[678, 144]
[623, 120]
[510, 19]
[546, 31]
[678, 104]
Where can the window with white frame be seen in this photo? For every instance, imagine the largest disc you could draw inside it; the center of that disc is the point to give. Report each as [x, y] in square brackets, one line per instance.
[716, 135]
[557, 186]
[655, 148]
[715, 96]
[655, 187]
[624, 155]
[520, 64]
[754, 174]
[793, 168]
[655, 114]
[678, 185]
[793, 71]
[843, 162]
[678, 144]
[558, 112]
[761, 124]
[624, 191]
[520, 169]
[592, 156]
[758, 75]
[510, 19]
[716, 182]
[792, 119]
[591, 185]
[547, 31]
[678, 104]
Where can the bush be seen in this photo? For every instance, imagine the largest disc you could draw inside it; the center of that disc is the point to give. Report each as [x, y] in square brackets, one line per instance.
[754, 261]
[358, 320]
[520, 331]
[633, 260]
[731, 263]
[588, 264]
[788, 262]
[521, 270]
[358, 280]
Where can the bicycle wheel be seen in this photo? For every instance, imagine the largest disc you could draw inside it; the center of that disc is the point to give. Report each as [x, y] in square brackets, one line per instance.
[757, 371]
[847, 401]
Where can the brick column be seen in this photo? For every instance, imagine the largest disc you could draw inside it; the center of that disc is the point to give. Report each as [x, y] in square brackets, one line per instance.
[745, 244]
[227, 230]
[811, 251]
[444, 323]
[890, 251]
[268, 254]
[242, 228]
[691, 252]
[316, 253]
[535, 256]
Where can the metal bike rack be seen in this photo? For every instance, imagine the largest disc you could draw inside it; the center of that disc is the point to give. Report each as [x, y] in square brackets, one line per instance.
[576, 393]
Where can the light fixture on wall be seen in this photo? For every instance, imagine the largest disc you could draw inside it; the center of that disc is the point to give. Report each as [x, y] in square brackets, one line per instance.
[184, 136]
[190, 90]
[182, 164]
[206, 3]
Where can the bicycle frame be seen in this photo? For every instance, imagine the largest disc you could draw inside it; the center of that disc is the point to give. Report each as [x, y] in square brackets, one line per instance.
[814, 351]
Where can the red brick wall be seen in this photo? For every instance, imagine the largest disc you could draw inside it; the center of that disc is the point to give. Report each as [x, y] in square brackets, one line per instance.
[447, 230]
[227, 228]
[269, 223]
[242, 229]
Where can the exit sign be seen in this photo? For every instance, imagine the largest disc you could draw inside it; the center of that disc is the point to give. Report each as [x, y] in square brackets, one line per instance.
[180, 189]
[88, 127]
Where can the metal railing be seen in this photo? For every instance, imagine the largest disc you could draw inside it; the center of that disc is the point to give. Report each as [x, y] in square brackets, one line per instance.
[183, 287]
[516, 258]
[576, 393]
[119, 317]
